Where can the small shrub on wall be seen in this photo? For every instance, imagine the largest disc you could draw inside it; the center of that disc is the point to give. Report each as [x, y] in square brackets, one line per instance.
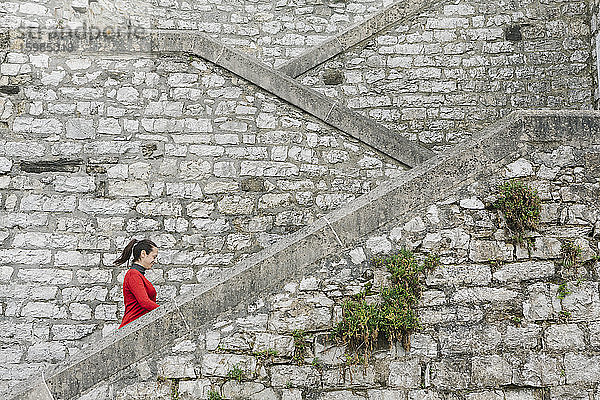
[521, 207]
[392, 318]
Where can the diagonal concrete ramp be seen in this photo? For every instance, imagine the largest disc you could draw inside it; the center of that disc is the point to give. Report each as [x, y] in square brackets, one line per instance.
[297, 255]
[327, 110]
[357, 33]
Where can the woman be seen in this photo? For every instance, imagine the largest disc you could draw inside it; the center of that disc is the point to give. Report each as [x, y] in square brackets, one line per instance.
[139, 294]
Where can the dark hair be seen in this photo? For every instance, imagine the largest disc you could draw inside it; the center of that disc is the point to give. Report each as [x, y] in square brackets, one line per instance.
[135, 247]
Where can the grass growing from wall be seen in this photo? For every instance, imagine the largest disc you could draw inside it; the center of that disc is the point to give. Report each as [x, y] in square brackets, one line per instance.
[521, 206]
[394, 317]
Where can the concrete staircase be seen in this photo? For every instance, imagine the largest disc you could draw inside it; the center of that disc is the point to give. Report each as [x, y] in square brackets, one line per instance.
[297, 255]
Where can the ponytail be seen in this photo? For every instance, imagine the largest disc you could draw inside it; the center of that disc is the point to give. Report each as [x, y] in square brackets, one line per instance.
[135, 247]
[126, 254]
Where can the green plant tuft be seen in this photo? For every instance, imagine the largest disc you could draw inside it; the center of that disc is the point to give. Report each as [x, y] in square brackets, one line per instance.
[571, 253]
[214, 395]
[563, 291]
[236, 373]
[363, 323]
[299, 346]
[521, 206]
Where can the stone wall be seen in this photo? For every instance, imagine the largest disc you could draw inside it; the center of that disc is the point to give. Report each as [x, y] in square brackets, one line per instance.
[595, 12]
[458, 67]
[500, 320]
[273, 31]
[96, 148]
[101, 149]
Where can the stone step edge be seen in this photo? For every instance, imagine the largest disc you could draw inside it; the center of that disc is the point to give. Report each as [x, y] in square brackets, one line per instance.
[326, 109]
[354, 35]
[295, 255]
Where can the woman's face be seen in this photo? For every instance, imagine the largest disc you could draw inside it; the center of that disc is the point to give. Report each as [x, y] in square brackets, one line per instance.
[147, 260]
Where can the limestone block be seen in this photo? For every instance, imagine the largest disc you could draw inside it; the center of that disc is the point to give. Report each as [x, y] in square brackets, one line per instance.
[42, 310]
[424, 394]
[486, 395]
[93, 276]
[450, 374]
[78, 294]
[5, 165]
[516, 272]
[129, 188]
[447, 239]
[221, 364]
[520, 394]
[79, 63]
[142, 224]
[182, 79]
[271, 201]
[518, 169]
[6, 273]
[45, 276]
[340, 395]
[583, 302]
[71, 332]
[145, 390]
[564, 337]
[282, 344]
[164, 108]
[582, 368]
[176, 367]
[472, 203]
[236, 205]
[538, 370]
[480, 295]
[24, 149]
[396, 394]
[160, 208]
[486, 250]
[74, 184]
[184, 190]
[268, 168]
[295, 376]
[194, 389]
[378, 245]
[526, 337]
[458, 275]
[53, 78]
[38, 202]
[468, 340]
[247, 390]
[11, 354]
[48, 351]
[204, 150]
[291, 394]
[490, 371]
[546, 248]
[80, 311]
[594, 334]
[253, 323]
[194, 170]
[405, 374]
[109, 126]
[421, 345]
[225, 169]
[76, 258]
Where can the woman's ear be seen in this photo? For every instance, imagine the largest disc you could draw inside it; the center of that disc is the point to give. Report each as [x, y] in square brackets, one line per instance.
[143, 253]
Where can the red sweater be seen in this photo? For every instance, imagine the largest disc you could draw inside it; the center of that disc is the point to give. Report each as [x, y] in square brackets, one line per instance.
[139, 294]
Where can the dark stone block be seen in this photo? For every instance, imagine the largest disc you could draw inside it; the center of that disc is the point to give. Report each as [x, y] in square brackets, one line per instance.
[513, 33]
[60, 165]
[10, 89]
[333, 77]
[254, 184]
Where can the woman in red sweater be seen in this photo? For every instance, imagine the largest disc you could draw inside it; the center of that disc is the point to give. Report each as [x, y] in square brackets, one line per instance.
[139, 294]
